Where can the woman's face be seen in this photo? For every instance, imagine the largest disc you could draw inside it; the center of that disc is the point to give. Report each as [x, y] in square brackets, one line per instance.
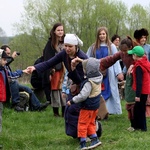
[102, 36]
[59, 31]
[70, 49]
[143, 40]
[116, 42]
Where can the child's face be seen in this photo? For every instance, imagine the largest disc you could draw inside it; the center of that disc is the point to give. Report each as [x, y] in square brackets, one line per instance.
[134, 57]
[3, 61]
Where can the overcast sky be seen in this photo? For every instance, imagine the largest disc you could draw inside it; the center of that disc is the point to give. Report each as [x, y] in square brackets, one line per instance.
[10, 12]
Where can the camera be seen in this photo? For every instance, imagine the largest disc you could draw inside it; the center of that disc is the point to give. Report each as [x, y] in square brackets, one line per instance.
[18, 53]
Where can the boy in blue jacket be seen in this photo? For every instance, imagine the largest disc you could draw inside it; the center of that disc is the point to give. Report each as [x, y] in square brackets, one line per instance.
[4, 86]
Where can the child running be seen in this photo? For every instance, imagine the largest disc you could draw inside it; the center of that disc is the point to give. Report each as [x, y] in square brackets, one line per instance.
[89, 98]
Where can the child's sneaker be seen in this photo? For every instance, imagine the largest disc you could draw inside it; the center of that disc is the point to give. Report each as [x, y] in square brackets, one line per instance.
[83, 145]
[95, 142]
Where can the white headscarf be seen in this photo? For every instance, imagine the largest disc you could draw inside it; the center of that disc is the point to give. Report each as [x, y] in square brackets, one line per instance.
[72, 39]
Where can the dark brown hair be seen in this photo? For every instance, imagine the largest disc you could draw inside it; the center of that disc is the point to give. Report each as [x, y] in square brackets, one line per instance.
[53, 35]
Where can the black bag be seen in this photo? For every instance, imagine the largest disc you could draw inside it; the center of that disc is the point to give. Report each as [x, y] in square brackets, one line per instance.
[36, 77]
[24, 100]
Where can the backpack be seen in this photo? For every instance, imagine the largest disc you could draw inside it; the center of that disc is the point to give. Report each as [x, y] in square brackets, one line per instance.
[24, 100]
[36, 78]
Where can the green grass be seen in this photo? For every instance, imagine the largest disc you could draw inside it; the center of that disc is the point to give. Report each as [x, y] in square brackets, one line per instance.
[42, 131]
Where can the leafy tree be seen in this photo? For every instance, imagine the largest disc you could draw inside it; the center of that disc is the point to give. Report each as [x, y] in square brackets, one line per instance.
[80, 17]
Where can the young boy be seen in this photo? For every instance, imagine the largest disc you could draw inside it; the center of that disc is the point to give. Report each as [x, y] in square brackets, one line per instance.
[4, 92]
[141, 85]
[89, 98]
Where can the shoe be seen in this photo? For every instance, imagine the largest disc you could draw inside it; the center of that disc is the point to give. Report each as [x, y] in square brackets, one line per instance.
[131, 129]
[19, 109]
[94, 143]
[43, 106]
[56, 115]
[83, 145]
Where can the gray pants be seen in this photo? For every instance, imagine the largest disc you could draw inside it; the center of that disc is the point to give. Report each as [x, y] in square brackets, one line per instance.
[1, 109]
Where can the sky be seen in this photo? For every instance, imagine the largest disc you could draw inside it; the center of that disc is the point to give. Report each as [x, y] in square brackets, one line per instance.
[11, 10]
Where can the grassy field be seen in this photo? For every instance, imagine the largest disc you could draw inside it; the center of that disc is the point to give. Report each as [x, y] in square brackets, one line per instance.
[42, 131]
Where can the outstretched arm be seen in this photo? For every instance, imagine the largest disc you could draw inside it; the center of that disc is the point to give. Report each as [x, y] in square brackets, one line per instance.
[109, 61]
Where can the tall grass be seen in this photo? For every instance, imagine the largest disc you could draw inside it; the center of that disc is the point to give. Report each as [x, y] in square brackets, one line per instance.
[43, 131]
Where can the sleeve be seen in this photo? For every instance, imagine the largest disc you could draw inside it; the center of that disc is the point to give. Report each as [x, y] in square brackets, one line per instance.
[14, 75]
[41, 67]
[139, 77]
[116, 66]
[64, 84]
[89, 51]
[108, 61]
[84, 93]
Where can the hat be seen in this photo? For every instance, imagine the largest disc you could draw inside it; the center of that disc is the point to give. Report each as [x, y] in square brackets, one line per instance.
[138, 50]
[72, 39]
[3, 54]
[91, 67]
[141, 32]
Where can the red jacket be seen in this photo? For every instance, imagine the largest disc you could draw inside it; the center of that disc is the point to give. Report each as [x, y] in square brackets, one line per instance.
[145, 65]
[4, 89]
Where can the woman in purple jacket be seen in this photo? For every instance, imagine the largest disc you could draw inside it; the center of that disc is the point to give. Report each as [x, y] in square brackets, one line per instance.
[71, 50]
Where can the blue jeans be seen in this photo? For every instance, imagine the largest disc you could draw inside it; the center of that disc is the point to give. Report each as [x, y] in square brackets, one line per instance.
[15, 88]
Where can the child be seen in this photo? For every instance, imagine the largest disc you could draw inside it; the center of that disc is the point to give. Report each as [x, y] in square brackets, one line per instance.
[141, 85]
[89, 98]
[4, 92]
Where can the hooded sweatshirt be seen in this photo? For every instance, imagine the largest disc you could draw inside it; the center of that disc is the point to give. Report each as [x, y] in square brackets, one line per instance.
[90, 91]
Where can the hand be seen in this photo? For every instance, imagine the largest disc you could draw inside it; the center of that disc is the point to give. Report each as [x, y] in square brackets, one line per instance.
[130, 70]
[64, 95]
[30, 69]
[137, 99]
[75, 62]
[14, 54]
[68, 103]
[120, 77]
[25, 71]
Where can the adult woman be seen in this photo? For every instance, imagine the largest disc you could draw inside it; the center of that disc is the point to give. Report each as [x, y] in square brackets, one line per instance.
[54, 46]
[71, 50]
[116, 40]
[102, 48]
[141, 36]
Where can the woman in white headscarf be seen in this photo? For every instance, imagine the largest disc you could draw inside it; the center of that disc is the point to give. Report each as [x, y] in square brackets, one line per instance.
[71, 50]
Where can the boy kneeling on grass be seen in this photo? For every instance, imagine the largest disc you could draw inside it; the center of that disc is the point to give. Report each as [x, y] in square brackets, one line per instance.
[89, 98]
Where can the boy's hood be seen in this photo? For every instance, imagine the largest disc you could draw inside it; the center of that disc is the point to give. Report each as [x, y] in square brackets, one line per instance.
[91, 67]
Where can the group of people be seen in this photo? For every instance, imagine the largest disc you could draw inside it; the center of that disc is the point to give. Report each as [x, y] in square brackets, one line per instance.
[64, 63]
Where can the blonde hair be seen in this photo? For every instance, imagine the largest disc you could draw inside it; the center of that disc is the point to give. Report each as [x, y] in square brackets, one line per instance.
[98, 42]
